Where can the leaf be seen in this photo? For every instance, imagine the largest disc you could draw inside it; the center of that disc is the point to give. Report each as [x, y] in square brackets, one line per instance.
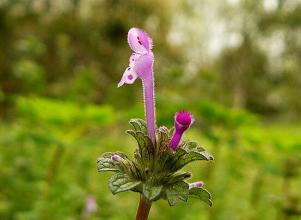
[172, 158]
[185, 156]
[151, 192]
[163, 137]
[122, 182]
[177, 192]
[192, 145]
[176, 177]
[139, 125]
[201, 194]
[105, 163]
[145, 144]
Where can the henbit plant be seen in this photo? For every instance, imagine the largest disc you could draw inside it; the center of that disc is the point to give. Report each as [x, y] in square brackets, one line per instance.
[155, 170]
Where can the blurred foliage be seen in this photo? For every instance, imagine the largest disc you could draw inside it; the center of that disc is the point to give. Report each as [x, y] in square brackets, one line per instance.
[41, 110]
[234, 64]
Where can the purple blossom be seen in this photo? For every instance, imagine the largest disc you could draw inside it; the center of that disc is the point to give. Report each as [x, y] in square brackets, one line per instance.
[141, 65]
[91, 205]
[183, 120]
[196, 184]
[116, 157]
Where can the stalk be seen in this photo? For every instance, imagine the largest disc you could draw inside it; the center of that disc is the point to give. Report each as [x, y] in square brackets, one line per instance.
[143, 209]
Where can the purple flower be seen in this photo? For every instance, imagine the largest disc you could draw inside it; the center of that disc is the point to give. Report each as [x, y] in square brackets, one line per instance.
[183, 120]
[196, 184]
[116, 157]
[141, 65]
[91, 205]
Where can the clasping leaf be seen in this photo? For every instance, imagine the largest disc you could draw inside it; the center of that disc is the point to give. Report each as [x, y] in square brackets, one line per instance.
[122, 182]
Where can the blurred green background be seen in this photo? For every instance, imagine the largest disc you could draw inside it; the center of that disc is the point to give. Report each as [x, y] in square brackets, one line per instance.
[235, 64]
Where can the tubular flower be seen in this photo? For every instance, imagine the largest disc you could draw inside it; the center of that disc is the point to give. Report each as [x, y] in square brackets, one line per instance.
[183, 120]
[141, 65]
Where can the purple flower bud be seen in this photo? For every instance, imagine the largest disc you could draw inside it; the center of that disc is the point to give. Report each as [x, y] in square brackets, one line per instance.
[183, 120]
[116, 157]
[196, 184]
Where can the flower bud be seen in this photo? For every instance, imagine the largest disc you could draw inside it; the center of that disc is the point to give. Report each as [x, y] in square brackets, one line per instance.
[116, 157]
[196, 184]
[183, 120]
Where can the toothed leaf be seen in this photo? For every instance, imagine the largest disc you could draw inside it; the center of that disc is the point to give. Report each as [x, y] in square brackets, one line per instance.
[145, 145]
[163, 136]
[177, 192]
[201, 194]
[139, 125]
[185, 156]
[122, 182]
[179, 176]
[151, 192]
[105, 162]
[192, 145]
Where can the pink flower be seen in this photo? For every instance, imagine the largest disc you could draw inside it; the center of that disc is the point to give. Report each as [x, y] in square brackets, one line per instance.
[141, 61]
[141, 65]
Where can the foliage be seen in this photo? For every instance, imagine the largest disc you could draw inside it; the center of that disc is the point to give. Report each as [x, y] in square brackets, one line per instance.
[62, 112]
[155, 171]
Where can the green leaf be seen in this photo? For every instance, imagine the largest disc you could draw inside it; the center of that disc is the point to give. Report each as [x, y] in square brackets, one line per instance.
[122, 182]
[179, 176]
[146, 148]
[151, 192]
[201, 194]
[177, 192]
[163, 137]
[173, 158]
[192, 145]
[139, 125]
[184, 156]
[105, 163]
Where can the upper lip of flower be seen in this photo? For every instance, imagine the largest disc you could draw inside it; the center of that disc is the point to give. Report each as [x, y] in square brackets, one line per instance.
[139, 41]
[141, 61]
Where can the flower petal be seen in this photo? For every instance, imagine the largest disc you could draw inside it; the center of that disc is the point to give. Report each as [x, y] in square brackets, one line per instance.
[143, 66]
[129, 76]
[133, 58]
[139, 41]
[183, 120]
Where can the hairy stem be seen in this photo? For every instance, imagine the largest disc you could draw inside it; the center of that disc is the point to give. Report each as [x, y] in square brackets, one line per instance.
[149, 106]
[143, 209]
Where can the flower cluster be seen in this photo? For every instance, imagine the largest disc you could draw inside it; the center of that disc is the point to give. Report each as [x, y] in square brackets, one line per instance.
[155, 172]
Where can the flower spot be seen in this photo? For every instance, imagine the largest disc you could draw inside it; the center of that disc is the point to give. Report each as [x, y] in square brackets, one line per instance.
[139, 40]
[130, 77]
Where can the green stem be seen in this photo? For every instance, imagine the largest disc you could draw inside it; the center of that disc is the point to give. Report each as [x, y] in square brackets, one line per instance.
[143, 209]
